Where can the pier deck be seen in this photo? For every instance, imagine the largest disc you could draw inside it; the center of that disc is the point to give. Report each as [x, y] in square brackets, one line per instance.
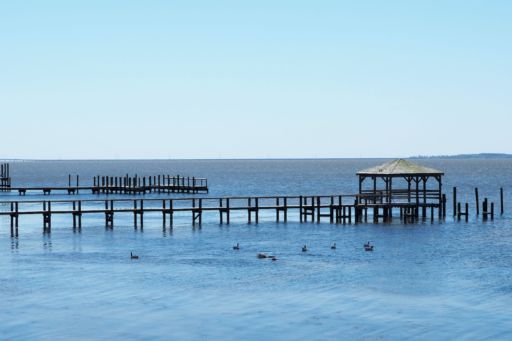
[313, 208]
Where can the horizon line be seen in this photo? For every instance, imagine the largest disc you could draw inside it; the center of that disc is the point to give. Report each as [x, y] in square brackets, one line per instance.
[254, 158]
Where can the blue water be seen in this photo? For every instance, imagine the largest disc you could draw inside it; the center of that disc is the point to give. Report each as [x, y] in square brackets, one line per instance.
[425, 281]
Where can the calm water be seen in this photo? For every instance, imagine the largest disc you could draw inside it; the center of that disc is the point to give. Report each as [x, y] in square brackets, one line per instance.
[427, 281]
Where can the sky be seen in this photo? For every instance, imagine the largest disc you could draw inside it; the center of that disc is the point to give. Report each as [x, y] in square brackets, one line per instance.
[254, 79]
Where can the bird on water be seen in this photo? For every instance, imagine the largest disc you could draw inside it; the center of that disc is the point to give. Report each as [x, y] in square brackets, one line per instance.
[304, 248]
[333, 246]
[237, 246]
[132, 256]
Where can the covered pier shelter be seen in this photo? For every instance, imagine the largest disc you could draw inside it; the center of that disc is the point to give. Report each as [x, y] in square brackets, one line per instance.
[401, 184]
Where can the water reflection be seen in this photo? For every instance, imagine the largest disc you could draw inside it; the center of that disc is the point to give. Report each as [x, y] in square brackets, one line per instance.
[15, 244]
[47, 242]
[77, 243]
[166, 232]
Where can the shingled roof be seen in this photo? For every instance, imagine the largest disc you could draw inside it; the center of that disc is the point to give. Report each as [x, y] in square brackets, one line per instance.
[399, 167]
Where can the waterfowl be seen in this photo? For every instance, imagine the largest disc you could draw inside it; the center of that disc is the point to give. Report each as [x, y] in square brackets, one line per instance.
[132, 256]
[368, 247]
[274, 258]
[236, 247]
[304, 248]
[333, 246]
[262, 255]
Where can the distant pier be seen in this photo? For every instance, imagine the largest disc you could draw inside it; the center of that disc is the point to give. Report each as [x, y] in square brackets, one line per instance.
[123, 185]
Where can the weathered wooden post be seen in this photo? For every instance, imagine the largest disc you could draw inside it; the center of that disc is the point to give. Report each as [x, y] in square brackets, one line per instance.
[331, 211]
[477, 202]
[249, 210]
[171, 218]
[485, 209]
[201, 212]
[277, 210]
[454, 201]
[257, 209]
[444, 205]
[221, 213]
[74, 214]
[135, 213]
[164, 212]
[301, 209]
[502, 208]
[318, 209]
[141, 214]
[193, 212]
[80, 214]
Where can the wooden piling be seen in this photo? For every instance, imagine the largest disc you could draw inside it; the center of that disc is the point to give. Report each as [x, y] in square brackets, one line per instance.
[249, 210]
[227, 211]
[477, 202]
[444, 205]
[301, 209]
[502, 207]
[257, 210]
[454, 201]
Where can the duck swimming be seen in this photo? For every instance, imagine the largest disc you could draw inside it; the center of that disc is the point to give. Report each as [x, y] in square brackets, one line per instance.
[304, 248]
[333, 246]
[236, 247]
[368, 247]
[132, 256]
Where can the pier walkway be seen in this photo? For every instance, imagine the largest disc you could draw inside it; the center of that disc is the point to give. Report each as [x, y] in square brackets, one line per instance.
[313, 208]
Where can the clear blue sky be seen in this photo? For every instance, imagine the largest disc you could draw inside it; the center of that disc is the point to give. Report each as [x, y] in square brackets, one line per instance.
[209, 79]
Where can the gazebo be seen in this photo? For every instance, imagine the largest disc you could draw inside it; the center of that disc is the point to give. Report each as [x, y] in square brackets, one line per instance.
[401, 183]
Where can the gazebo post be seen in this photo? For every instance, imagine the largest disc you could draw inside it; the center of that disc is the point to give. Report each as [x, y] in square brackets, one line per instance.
[361, 179]
[440, 196]
[390, 197]
[417, 181]
[374, 189]
[424, 210]
[408, 179]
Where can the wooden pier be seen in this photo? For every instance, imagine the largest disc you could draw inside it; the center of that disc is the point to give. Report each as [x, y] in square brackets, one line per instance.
[398, 186]
[335, 209]
[125, 185]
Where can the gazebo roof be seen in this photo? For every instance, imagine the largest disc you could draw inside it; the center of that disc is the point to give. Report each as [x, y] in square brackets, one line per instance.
[399, 167]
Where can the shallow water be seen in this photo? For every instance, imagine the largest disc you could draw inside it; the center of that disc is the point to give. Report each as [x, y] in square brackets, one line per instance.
[427, 281]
